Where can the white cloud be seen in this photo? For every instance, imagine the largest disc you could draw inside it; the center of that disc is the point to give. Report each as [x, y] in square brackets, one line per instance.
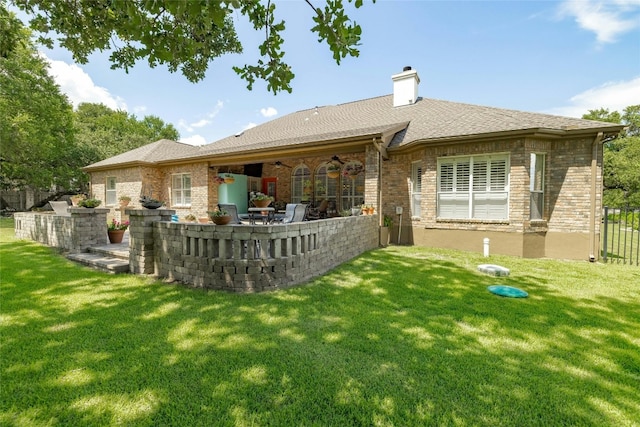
[216, 109]
[607, 19]
[194, 140]
[190, 127]
[139, 109]
[200, 123]
[79, 86]
[614, 96]
[182, 124]
[249, 126]
[268, 112]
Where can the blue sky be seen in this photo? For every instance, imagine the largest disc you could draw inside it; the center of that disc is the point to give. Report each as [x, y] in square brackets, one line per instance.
[554, 57]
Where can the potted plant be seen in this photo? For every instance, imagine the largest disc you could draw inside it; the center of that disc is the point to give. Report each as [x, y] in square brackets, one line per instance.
[218, 179]
[385, 230]
[77, 198]
[351, 170]
[150, 203]
[190, 218]
[355, 211]
[229, 179]
[220, 217]
[261, 200]
[333, 171]
[89, 203]
[116, 229]
[124, 201]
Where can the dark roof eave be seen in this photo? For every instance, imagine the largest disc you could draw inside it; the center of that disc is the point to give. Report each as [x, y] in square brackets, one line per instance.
[112, 166]
[533, 132]
[314, 146]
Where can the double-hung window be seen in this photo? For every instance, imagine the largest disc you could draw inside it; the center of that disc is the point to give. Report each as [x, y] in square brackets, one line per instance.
[181, 189]
[416, 189]
[536, 186]
[473, 187]
[110, 191]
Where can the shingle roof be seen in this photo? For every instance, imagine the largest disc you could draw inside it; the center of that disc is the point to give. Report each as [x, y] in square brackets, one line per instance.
[427, 120]
[158, 151]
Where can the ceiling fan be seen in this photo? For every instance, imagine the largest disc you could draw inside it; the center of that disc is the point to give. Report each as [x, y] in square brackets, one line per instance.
[278, 164]
[337, 159]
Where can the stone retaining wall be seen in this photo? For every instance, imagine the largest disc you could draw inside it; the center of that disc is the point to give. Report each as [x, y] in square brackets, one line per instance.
[246, 258]
[84, 228]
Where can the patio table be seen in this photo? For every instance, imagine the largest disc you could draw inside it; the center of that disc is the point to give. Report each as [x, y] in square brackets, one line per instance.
[266, 214]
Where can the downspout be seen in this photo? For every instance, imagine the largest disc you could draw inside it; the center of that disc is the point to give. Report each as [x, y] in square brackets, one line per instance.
[379, 207]
[593, 247]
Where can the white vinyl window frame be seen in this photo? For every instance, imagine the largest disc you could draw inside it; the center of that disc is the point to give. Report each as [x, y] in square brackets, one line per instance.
[181, 189]
[300, 184]
[474, 187]
[536, 186]
[416, 189]
[110, 198]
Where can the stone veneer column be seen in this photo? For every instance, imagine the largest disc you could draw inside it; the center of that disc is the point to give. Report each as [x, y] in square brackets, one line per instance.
[141, 245]
[89, 228]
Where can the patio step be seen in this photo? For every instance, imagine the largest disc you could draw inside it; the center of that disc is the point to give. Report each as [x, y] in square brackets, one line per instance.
[108, 258]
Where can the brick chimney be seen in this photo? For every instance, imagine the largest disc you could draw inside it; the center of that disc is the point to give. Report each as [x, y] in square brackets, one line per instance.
[405, 87]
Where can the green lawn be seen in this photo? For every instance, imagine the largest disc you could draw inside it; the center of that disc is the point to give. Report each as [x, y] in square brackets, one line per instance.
[400, 336]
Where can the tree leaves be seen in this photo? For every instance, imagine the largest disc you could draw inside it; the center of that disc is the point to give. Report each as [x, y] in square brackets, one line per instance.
[185, 35]
[621, 169]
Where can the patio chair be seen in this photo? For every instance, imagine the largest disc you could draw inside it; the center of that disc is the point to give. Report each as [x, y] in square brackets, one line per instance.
[299, 213]
[288, 214]
[319, 212]
[232, 210]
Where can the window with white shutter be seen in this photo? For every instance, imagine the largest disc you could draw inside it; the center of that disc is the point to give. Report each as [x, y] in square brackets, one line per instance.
[473, 187]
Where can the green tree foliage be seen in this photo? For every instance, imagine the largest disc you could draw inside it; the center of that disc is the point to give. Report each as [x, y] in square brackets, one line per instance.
[44, 142]
[36, 119]
[621, 157]
[185, 35]
[103, 132]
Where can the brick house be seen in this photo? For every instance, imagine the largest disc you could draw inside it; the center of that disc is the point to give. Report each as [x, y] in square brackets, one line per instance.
[459, 173]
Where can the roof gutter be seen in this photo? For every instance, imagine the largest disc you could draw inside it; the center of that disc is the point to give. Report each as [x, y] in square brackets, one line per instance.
[344, 145]
[492, 136]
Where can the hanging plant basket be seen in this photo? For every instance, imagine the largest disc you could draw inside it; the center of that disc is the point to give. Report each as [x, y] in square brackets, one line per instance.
[229, 179]
[352, 175]
[333, 174]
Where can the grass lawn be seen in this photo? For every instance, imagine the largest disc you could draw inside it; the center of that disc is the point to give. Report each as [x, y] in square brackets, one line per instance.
[399, 336]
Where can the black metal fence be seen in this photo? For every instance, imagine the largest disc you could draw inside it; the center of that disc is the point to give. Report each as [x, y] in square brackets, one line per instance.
[621, 235]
